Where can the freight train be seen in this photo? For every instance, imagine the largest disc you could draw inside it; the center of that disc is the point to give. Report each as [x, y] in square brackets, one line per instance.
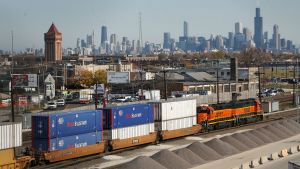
[66, 135]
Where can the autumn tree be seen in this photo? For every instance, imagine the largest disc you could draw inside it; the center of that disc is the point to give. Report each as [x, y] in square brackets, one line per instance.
[100, 77]
[253, 57]
[86, 78]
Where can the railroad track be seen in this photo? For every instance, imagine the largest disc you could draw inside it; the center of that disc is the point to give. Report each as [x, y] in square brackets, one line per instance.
[268, 118]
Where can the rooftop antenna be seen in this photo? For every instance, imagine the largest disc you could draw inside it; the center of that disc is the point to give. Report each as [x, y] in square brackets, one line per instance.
[140, 32]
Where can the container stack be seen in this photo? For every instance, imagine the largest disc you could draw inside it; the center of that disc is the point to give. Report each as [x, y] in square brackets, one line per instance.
[175, 115]
[127, 122]
[10, 137]
[66, 130]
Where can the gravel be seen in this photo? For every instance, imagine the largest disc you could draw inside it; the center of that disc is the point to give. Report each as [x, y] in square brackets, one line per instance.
[189, 156]
[275, 131]
[235, 143]
[142, 162]
[245, 140]
[262, 136]
[272, 136]
[170, 160]
[204, 152]
[292, 125]
[287, 132]
[254, 138]
[221, 147]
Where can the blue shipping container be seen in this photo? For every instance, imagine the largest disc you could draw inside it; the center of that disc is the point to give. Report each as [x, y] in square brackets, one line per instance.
[128, 115]
[66, 123]
[64, 143]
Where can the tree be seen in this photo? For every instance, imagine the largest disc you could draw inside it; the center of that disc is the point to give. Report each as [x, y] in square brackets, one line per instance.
[86, 78]
[100, 77]
[253, 57]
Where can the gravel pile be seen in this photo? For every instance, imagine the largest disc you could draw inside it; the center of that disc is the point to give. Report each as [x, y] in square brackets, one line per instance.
[170, 160]
[245, 140]
[272, 136]
[221, 147]
[254, 138]
[275, 131]
[288, 132]
[189, 156]
[291, 125]
[204, 152]
[199, 153]
[235, 143]
[262, 136]
[142, 162]
[293, 122]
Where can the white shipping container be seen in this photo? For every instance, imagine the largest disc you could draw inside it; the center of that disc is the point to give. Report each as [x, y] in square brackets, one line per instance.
[174, 109]
[275, 106]
[179, 123]
[10, 135]
[129, 132]
[269, 107]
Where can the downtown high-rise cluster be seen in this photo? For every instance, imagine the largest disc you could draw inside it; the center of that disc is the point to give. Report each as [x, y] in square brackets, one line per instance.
[236, 41]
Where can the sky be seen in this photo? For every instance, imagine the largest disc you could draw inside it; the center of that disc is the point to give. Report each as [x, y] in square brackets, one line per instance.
[30, 19]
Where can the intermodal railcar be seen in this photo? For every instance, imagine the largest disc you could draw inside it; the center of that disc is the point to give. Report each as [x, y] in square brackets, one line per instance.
[136, 124]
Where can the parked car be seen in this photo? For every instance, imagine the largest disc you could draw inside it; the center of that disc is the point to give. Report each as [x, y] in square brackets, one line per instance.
[50, 106]
[60, 102]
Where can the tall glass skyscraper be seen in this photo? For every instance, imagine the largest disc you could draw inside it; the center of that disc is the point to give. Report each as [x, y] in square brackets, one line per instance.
[258, 29]
[185, 29]
[167, 40]
[103, 34]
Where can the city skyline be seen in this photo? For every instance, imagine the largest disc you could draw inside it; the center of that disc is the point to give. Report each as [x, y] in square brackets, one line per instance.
[203, 18]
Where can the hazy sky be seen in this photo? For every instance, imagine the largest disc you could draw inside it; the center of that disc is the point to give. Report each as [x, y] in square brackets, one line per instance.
[30, 19]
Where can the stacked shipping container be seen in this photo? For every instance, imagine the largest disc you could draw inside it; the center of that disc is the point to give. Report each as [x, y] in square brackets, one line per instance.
[10, 135]
[173, 115]
[61, 131]
[128, 121]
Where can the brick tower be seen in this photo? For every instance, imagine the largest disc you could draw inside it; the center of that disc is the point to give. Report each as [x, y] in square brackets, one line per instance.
[53, 41]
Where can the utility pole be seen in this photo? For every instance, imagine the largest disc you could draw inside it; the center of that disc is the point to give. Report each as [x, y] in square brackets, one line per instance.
[142, 86]
[294, 86]
[11, 78]
[259, 85]
[165, 85]
[38, 87]
[217, 86]
[96, 96]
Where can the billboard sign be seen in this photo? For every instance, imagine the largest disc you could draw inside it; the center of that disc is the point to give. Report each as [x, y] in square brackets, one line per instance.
[24, 80]
[118, 77]
[100, 88]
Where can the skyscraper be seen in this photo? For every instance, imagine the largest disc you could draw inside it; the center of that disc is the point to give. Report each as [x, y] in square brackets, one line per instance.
[78, 43]
[113, 39]
[230, 44]
[103, 34]
[185, 29]
[276, 37]
[167, 40]
[258, 29]
[53, 39]
[238, 27]
[247, 34]
[89, 40]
